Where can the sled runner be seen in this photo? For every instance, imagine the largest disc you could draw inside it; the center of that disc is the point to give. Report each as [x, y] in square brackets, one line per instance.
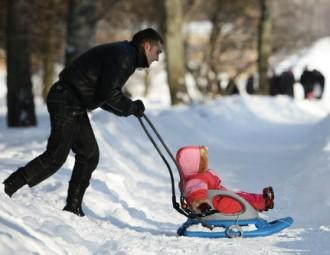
[246, 223]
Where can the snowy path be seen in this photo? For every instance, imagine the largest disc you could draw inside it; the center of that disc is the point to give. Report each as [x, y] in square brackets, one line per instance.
[253, 142]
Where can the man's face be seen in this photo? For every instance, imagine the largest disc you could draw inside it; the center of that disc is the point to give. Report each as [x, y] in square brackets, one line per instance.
[152, 51]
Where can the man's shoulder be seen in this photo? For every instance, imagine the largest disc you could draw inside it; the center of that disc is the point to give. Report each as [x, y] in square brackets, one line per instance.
[121, 54]
[120, 46]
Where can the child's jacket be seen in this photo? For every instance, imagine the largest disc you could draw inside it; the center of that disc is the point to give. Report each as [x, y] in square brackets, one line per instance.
[198, 181]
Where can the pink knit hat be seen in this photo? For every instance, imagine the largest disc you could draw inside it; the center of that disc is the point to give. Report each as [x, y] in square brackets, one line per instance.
[188, 158]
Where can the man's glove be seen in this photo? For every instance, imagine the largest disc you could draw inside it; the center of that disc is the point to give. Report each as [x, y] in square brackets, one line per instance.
[204, 208]
[138, 108]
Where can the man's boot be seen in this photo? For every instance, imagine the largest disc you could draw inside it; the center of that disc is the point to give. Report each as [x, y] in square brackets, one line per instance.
[76, 193]
[14, 182]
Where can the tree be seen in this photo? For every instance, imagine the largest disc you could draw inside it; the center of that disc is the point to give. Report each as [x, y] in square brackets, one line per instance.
[175, 58]
[48, 37]
[264, 46]
[3, 22]
[19, 96]
[81, 27]
[297, 24]
[229, 35]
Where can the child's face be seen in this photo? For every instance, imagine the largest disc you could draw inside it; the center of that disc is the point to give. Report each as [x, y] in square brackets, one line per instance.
[203, 164]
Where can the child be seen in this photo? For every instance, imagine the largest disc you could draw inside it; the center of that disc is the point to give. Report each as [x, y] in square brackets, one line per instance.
[198, 179]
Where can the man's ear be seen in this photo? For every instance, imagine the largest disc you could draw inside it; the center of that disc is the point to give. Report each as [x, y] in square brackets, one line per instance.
[146, 46]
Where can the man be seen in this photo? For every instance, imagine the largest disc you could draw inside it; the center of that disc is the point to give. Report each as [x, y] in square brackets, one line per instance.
[94, 79]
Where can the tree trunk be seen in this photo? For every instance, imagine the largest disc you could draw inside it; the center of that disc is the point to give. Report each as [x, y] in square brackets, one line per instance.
[51, 30]
[264, 46]
[21, 112]
[213, 51]
[81, 27]
[48, 65]
[174, 50]
[48, 58]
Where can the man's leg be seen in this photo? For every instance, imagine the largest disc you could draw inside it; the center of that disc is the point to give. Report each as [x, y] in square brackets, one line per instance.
[63, 127]
[87, 158]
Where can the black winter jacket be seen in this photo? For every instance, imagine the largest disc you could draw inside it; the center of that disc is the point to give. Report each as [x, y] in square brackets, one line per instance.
[97, 76]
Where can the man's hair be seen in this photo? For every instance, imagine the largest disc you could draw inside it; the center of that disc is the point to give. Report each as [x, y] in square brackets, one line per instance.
[146, 35]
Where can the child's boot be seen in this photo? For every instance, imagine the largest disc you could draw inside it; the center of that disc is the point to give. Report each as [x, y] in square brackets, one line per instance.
[268, 194]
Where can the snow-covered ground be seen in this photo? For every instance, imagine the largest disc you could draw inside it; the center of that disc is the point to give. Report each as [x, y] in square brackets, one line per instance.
[253, 142]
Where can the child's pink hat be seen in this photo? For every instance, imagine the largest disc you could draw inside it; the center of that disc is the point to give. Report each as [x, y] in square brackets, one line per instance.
[188, 158]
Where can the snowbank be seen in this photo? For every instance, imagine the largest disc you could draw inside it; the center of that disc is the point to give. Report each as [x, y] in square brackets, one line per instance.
[254, 142]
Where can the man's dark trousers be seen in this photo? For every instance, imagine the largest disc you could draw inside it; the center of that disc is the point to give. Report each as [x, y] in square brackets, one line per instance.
[70, 130]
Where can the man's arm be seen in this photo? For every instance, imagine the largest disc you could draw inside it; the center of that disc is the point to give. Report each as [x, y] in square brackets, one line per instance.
[118, 104]
[109, 108]
[121, 109]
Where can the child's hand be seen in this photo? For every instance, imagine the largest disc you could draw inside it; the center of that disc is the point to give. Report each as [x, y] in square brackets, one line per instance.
[204, 208]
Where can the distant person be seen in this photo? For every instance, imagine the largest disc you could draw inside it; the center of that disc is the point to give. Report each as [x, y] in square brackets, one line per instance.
[319, 84]
[198, 179]
[287, 81]
[282, 84]
[313, 83]
[274, 84]
[232, 88]
[251, 85]
[94, 79]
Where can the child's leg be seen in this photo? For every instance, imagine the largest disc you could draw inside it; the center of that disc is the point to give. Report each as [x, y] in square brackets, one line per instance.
[256, 200]
[227, 205]
[261, 202]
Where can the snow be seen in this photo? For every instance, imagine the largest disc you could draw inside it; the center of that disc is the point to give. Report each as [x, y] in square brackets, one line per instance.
[253, 142]
[201, 28]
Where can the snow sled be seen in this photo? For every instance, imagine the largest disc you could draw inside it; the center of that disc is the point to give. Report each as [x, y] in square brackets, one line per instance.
[246, 223]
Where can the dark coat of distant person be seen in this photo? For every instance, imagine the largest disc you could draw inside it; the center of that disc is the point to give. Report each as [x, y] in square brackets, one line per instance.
[313, 83]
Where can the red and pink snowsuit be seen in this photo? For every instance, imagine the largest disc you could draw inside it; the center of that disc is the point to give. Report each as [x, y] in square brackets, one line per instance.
[198, 181]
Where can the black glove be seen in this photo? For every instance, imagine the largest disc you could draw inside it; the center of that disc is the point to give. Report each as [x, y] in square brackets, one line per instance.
[138, 108]
[204, 208]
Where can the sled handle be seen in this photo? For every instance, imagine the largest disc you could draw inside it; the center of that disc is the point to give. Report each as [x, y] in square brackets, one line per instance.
[176, 205]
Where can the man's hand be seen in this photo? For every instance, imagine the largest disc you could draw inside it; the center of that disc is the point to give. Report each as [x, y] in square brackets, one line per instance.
[138, 108]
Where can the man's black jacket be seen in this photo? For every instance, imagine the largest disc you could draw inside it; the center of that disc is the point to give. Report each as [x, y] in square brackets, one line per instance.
[97, 76]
